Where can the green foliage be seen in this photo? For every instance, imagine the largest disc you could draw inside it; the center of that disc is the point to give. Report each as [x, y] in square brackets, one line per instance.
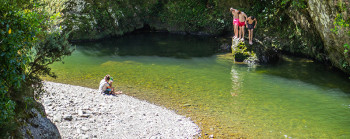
[28, 101]
[51, 49]
[111, 18]
[272, 14]
[341, 24]
[345, 64]
[347, 48]
[7, 112]
[195, 15]
[30, 40]
[295, 3]
[103, 18]
[18, 30]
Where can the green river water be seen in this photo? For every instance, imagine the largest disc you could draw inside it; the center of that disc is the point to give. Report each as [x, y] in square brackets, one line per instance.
[296, 98]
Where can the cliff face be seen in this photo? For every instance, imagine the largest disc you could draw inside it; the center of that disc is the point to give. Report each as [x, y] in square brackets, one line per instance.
[323, 14]
[317, 21]
[310, 43]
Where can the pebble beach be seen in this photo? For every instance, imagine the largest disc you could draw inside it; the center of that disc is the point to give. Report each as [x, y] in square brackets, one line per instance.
[80, 112]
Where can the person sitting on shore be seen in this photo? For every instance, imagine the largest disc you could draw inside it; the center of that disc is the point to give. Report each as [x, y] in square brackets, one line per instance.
[106, 86]
[103, 88]
[251, 25]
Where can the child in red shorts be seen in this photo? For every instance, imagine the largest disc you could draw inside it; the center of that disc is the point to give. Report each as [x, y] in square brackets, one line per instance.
[242, 18]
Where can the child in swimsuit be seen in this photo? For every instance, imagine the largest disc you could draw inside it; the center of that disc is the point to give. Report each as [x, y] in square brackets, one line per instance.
[251, 25]
[235, 22]
[242, 19]
[109, 87]
[112, 89]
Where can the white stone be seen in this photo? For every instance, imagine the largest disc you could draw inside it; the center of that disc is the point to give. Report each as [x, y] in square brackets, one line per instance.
[80, 112]
[113, 117]
[57, 118]
[84, 128]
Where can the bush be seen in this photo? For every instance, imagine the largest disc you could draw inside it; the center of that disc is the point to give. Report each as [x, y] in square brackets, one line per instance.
[195, 15]
[30, 41]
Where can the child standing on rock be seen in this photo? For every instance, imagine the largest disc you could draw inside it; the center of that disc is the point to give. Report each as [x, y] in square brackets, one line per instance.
[242, 19]
[251, 26]
[235, 22]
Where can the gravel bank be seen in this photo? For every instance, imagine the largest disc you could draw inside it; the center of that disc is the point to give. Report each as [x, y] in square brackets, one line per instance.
[80, 112]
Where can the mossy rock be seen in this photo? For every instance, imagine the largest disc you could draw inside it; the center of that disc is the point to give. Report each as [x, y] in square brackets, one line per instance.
[240, 52]
[240, 57]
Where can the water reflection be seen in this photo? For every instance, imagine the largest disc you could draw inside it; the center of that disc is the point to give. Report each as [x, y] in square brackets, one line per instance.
[236, 82]
[153, 44]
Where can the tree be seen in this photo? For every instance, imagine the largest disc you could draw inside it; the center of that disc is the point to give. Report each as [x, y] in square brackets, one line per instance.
[31, 39]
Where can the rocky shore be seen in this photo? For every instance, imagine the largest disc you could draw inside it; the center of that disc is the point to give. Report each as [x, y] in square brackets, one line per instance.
[80, 112]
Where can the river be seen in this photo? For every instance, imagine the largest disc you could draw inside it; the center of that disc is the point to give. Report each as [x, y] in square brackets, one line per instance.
[295, 98]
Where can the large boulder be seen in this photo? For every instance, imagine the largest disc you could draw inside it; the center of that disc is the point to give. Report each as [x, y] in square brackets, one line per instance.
[323, 14]
[265, 52]
[39, 127]
[317, 22]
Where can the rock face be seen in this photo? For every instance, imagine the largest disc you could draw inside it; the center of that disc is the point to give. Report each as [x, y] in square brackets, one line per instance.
[323, 14]
[311, 43]
[81, 112]
[264, 53]
[317, 21]
[258, 53]
[39, 127]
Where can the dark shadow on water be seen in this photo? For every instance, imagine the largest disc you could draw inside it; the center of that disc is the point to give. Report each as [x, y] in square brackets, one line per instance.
[308, 71]
[152, 44]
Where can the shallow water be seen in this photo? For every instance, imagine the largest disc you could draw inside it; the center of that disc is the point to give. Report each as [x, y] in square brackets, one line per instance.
[296, 98]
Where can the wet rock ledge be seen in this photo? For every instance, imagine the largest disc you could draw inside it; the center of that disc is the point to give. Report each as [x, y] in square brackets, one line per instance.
[80, 112]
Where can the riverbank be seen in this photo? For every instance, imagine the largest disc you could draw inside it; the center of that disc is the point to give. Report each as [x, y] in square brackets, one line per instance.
[80, 112]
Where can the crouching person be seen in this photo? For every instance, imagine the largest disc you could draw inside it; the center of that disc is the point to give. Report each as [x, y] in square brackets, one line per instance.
[106, 86]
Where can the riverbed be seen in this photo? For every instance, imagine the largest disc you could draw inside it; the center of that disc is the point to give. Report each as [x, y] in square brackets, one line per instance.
[295, 98]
